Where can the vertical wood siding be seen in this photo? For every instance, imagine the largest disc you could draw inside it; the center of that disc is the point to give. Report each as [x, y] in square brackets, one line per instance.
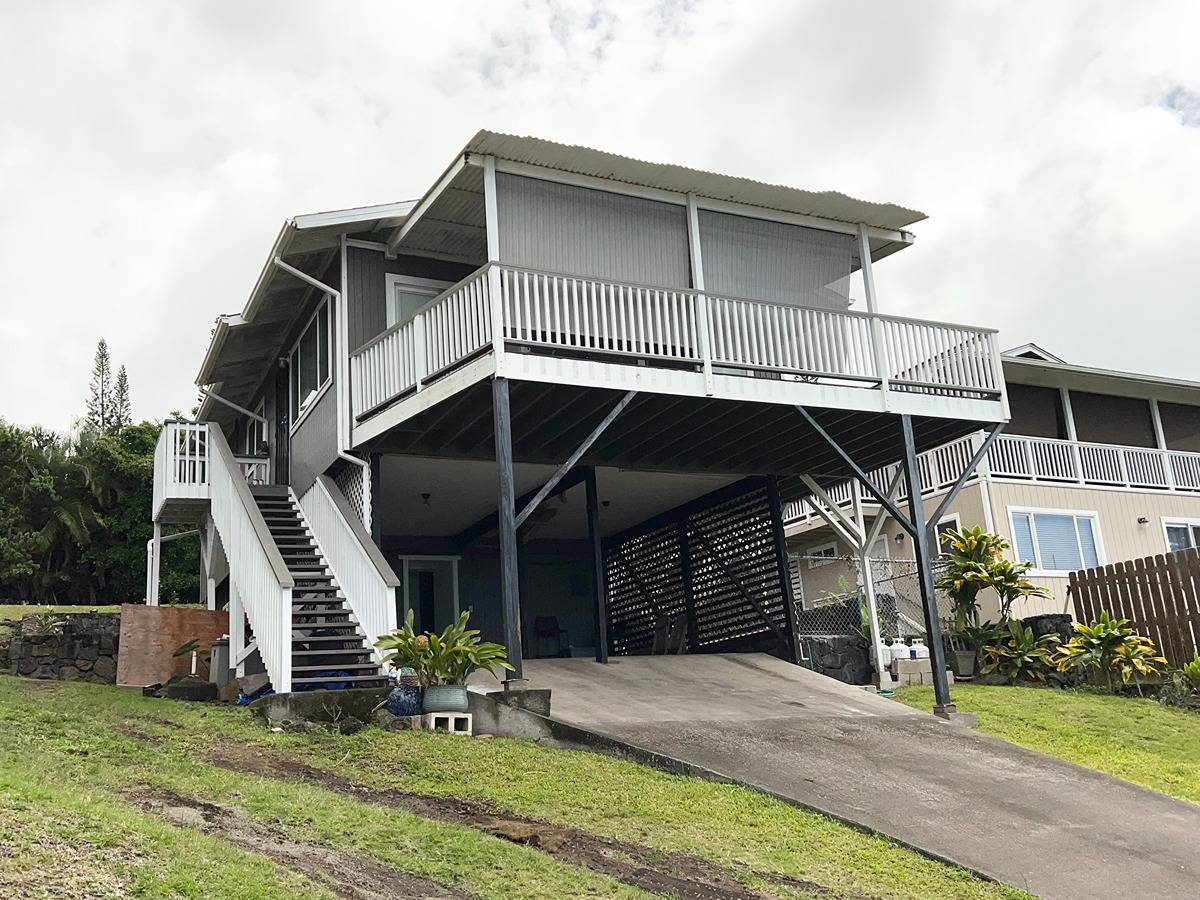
[762, 260]
[563, 228]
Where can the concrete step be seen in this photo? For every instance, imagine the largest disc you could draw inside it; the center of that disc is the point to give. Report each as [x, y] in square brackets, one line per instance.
[356, 680]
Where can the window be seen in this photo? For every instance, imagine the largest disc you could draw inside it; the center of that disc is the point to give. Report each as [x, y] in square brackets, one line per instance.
[821, 555]
[1182, 534]
[952, 521]
[309, 364]
[406, 295]
[1056, 540]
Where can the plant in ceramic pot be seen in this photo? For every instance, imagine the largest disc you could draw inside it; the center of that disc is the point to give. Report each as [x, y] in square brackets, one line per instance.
[443, 662]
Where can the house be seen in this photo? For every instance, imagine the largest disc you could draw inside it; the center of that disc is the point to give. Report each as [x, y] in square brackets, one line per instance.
[567, 390]
[1095, 466]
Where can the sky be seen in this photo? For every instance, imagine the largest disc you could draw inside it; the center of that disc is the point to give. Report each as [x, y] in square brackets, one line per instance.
[149, 152]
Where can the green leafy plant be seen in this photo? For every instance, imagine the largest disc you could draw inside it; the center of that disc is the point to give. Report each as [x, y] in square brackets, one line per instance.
[1110, 647]
[447, 658]
[970, 554]
[1182, 687]
[45, 624]
[1007, 579]
[1017, 655]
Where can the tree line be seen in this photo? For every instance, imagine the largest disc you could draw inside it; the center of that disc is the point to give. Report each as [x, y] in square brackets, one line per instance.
[75, 508]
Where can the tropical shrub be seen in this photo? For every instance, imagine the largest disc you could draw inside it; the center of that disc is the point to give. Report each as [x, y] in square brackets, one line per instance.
[1110, 647]
[447, 658]
[1182, 687]
[1007, 579]
[1017, 655]
[975, 561]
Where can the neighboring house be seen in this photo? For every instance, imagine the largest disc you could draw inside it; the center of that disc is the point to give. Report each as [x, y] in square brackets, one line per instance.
[560, 390]
[1094, 467]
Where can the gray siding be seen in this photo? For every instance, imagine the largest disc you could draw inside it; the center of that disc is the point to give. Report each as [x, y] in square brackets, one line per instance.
[563, 228]
[762, 260]
[366, 286]
[1103, 419]
[314, 443]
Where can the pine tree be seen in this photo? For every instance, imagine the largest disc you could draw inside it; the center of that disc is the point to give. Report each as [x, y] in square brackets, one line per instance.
[100, 393]
[122, 412]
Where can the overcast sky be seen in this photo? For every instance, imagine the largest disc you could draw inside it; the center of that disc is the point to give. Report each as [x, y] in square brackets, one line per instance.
[150, 151]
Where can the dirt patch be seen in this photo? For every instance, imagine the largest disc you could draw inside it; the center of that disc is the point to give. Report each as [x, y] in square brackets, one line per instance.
[47, 867]
[134, 733]
[346, 875]
[668, 874]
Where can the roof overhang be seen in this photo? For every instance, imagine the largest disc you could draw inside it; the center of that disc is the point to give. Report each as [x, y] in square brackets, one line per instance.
[1043, 373]
[244, 346]
[450, 216]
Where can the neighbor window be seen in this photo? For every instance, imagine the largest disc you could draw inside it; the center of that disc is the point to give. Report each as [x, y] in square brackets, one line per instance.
[406, 295]
[1182, 534]
[1056, 541]
[821, 555]
[309, 363]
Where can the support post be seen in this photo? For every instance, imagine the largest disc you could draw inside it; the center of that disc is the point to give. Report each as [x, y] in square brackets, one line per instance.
[510, 591]
[781, 559]
[697, 265]
[867, 575]
[868, 274]
[237, 631]
[689, 588]
[921, 550]
[153, 562]
[599, 587]
[491, 219]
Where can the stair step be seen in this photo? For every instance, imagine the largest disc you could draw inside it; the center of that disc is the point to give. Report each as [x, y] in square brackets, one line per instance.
[328, 638]
[357, 680]
[358, 667]
[352, 652]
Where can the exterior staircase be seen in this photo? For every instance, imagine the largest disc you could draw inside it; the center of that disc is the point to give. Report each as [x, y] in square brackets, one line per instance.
[329, 649]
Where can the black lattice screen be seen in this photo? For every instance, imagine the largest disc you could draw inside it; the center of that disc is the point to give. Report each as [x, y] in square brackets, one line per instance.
[736, 602]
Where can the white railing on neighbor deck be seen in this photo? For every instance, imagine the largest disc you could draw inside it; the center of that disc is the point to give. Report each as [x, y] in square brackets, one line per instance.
[690, 329]
[367, 581]
[258, 577]
[1103, 465]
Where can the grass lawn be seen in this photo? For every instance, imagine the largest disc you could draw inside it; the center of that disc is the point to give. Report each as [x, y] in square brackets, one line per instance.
[104, 792]
[1138, 740]
[12, 611]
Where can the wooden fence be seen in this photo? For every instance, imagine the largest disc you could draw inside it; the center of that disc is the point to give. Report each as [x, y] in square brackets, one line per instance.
[1159, 595]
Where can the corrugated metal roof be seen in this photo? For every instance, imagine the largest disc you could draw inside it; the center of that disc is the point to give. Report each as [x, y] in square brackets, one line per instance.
[680, 179]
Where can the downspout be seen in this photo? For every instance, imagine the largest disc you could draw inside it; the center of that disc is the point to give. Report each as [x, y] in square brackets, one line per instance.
[343, 357]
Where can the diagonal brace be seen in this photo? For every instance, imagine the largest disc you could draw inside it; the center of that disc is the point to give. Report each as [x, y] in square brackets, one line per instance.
[850, 531]
[566, 467]
[966, 473]
[884, 500]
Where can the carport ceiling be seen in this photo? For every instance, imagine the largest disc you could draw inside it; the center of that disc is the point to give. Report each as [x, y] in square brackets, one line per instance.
[663, 432]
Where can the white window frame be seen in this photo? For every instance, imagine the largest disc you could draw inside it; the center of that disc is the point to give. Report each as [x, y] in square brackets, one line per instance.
[426, 564]
[1037, 571]
[814, 555]
[1179, 522]
[412, 283]
[293, 402]
[256, 431]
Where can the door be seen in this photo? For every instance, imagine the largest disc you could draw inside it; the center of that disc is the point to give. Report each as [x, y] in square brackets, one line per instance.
[281, 474]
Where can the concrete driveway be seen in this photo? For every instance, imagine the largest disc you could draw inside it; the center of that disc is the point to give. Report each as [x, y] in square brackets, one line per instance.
[1054, 829]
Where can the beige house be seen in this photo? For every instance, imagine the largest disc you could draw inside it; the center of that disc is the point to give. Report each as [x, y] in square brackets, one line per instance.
[1094, 467]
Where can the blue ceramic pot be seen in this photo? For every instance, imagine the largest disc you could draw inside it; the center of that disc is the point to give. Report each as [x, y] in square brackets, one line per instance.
[404, 700]
[446, 698]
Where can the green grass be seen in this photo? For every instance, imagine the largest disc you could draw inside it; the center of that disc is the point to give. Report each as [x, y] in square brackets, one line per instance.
[74, 758]
[1135, 739]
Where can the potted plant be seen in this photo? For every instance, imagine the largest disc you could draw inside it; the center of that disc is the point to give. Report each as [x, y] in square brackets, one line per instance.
[442, 663]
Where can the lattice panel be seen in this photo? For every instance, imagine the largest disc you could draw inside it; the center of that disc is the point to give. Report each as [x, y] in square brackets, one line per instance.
[731, 547]
[350, 482]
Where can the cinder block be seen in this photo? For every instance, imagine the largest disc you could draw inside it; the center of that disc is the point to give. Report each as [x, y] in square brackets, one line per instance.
[912, 666]
[451, 723]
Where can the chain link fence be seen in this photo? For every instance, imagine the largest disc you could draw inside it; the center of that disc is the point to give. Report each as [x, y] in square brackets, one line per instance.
[830, 601]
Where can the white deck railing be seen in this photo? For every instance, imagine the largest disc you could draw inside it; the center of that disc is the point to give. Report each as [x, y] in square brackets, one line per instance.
[181, 463]
[255, 469]
[366, 580]
[611, 319]
[1043, 460]
[258, 577]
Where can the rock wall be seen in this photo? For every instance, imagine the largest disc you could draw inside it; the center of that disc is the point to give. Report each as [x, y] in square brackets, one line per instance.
[79, 647]
[842, 657]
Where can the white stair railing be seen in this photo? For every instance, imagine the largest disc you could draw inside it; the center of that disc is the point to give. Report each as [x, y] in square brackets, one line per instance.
[257, 572]
[367, 581]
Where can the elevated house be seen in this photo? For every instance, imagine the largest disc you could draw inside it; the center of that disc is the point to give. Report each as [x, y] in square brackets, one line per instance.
[1094, 467]
[567, 390]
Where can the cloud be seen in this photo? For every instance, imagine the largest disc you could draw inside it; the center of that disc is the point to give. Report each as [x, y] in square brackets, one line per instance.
[149, 152]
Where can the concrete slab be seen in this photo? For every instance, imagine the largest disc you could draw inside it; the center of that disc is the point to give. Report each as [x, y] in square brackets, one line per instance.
[1054, 829]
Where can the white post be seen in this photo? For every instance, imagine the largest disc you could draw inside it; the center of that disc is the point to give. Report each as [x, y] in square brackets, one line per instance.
[420, 356]
[868, 275]
[1160, 438]
[154, 554]
[491, 213]
[697, 262]
[203, 584]
[237, 631]
[1072, 436]
[867, 578]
